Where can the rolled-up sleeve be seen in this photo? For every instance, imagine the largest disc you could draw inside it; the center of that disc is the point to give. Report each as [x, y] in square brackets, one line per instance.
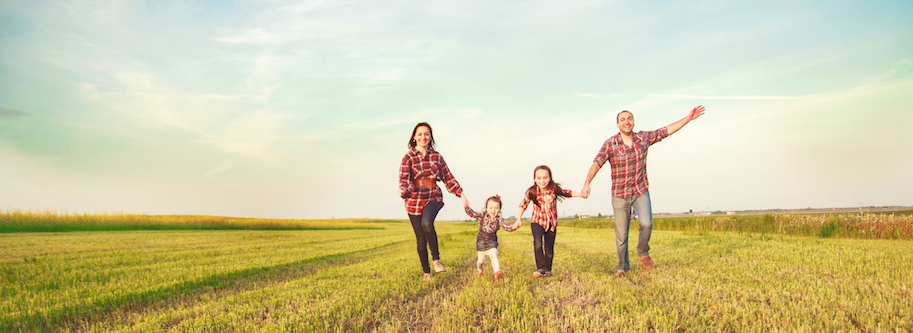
[525, 202]
[405, 172]
[656, 136]
[603, 154]
[452, 185]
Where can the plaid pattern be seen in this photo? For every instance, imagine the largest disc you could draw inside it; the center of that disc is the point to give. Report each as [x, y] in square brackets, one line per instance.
[432, 165]
[629, 164]
[546, 213]
[488, 229]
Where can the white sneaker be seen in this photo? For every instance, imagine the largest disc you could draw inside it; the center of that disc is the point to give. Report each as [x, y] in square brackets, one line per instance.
[439, 267]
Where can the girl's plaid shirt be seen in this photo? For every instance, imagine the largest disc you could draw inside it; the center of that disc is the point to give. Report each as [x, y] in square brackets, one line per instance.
[629, 164]
[432, 165]
[546, 213]
[488, 225]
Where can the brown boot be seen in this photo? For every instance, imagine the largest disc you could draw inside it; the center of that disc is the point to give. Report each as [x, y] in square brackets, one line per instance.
[647, 261]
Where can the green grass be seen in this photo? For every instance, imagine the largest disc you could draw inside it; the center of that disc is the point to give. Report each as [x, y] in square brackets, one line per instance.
[368, 280]
[50, 221]
[893, 225]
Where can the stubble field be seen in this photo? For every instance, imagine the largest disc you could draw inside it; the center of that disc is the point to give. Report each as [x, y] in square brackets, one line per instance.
[368, 280]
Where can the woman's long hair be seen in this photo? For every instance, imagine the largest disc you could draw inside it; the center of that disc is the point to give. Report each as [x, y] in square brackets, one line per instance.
[533, 192]
[412, 142]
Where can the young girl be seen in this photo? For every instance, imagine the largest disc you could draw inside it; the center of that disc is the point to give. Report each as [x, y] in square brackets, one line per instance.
[487, 241]
[544, 194]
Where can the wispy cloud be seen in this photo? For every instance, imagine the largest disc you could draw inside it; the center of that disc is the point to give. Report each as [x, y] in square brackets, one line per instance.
[225, 121]
[219, 168]
[594, 95]
[11, 114]
[749, 97]
[252, 36]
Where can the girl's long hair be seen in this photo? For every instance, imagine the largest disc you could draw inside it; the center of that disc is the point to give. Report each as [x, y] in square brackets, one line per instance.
[412, 142]
[533, 192]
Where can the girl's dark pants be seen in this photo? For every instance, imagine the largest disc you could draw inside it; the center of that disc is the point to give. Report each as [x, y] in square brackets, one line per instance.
[545, 251]
[423, 226]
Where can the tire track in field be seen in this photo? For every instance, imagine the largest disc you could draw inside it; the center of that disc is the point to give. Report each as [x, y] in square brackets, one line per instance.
[76, 317]
[416, 312]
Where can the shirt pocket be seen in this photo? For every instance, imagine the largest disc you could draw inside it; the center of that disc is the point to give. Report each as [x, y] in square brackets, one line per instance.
[434, 170]
[620, 151]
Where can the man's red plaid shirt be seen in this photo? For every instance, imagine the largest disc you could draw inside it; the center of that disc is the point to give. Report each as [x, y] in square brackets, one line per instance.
[432, 165]
[629, 164]
[546, 213]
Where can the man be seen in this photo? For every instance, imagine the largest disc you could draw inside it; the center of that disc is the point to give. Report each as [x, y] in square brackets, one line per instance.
[627, 153]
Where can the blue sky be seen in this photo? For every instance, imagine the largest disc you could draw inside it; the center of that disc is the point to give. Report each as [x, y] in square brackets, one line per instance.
[303, 109]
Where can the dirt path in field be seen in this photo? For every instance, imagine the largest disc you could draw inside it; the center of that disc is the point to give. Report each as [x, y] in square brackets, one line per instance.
[416, 312]
[216, 286]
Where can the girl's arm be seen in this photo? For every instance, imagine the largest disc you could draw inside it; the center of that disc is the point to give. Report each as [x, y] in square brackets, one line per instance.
[523, 205]
[520, 214]
[569, 193]
[509, 227]
[472, 213]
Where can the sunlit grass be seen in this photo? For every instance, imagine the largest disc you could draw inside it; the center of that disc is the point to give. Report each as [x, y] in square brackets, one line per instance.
[368, 280]
[17, 220]
[860, 225]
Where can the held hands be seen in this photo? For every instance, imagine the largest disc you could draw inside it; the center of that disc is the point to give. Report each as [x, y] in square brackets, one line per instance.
[465, 201]
[585, 192]
[517, 224]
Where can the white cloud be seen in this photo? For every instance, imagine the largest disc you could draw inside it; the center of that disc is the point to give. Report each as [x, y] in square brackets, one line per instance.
[252, 36]
[706, 97]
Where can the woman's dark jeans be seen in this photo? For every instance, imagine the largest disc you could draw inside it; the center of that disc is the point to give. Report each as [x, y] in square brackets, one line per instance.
[425, 235]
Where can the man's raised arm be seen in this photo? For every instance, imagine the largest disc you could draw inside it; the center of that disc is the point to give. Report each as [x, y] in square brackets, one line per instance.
[696, 112]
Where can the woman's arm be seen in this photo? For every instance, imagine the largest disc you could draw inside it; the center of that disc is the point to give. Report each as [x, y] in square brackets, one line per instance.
[450, 182]
[405, 178]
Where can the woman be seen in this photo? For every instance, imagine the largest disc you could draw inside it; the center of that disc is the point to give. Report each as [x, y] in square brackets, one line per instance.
[419, 171]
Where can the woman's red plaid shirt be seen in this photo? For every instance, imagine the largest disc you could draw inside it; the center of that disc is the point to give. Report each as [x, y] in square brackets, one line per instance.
[432, 165]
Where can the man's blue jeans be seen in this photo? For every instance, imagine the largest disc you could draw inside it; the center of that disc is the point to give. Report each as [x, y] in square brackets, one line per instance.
[622, 207]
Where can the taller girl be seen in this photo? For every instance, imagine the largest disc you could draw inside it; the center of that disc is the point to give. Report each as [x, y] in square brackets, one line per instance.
[421, 169]
[544, 194]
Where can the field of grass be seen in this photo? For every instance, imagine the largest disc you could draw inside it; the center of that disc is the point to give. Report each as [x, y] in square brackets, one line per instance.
[368, 280]
[17, 220]
[883, 225]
